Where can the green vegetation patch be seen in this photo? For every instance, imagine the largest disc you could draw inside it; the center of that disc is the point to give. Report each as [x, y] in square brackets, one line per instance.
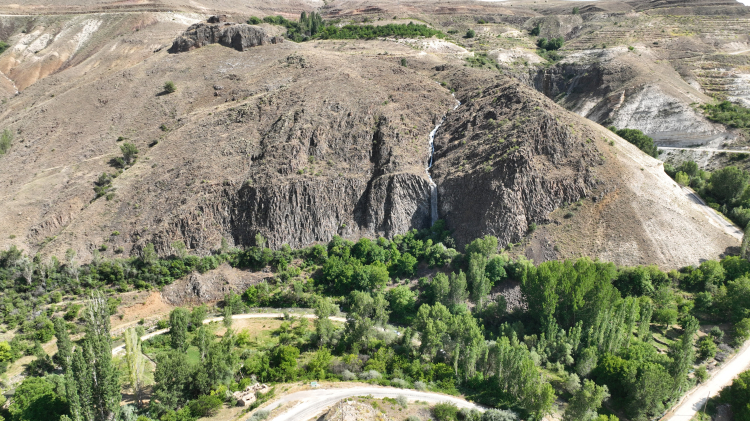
[638, 138]
[312, 26]
[729, 114]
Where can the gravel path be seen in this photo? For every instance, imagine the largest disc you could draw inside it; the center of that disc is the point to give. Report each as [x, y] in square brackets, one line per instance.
[121, 348]
[312, 403]
[696, 399]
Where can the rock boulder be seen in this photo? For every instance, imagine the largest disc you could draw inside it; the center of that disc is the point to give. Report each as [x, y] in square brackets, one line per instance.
[239, 36]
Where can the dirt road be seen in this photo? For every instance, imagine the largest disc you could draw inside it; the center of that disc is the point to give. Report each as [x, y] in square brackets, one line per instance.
[147, 336]
[728, 227]
[311, 403]
[705, 149]
[695, 400]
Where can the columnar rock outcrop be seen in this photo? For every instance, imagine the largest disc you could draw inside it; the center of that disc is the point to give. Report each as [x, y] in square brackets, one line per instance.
[239, 36]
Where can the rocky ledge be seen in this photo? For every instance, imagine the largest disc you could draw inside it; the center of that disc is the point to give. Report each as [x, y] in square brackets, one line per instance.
[239, 36]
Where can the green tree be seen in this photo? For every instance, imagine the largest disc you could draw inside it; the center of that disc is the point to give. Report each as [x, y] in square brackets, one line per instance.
[179, 319]
[402, 302]
[64, 345]
[319, 363]
[637, 138]
[745, 247]
[172, 379]
[440, 288]
[129, 153]
[728, 183]
[135, 363]
[95, 382]
[457, 293]
[682, 179]
[6, 139]
[470, 33]
[284, 362]
[683, 354]
[324, 327]
[197, 315]
[480, 284]
[486, 246]
[738, 396]
[689, 167]
[36, 399]
[585, 402]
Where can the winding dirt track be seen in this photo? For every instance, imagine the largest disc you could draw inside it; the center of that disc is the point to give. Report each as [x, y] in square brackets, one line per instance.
[696, 399]
[121, 348]
[312, 403]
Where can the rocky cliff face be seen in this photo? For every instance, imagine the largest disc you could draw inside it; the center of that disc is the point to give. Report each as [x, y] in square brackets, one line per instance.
[239, 36]
[506, 158]
[616, 86]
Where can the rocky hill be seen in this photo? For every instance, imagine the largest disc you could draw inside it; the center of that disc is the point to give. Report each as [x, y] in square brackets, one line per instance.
[303, 141]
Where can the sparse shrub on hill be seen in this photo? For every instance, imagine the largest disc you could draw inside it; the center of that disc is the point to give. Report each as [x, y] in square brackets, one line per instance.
[169, 87]
[550, 44]
[470, 33]
[129, 153]
[6, 139]
[636, 137]
[3, 46]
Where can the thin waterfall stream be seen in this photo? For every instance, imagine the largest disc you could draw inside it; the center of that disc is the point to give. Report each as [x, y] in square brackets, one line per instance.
[433, 186]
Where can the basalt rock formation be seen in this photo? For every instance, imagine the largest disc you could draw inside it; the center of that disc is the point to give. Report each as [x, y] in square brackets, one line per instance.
[239, 36]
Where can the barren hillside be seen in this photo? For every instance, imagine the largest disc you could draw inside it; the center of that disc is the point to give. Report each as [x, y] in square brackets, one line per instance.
[303, 141]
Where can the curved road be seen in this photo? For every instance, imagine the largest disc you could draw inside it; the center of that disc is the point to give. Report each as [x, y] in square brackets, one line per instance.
[728, 227]
[121, 348]
[696, 399]
[312, 403]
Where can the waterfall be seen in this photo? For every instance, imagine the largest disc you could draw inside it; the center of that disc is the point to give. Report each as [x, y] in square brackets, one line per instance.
[433, 186]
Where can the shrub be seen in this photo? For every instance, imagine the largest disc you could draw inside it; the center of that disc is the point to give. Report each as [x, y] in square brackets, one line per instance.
[260, 415]
[3, 46]
[682, 179]
[205, 405]
[404, 62]
[701, 374]
[420, 385]
[445, 411]
[348, 376]
[413, 418]
[169, 87]
[129, 153]
[706, 348]
[6, 138]
[499, 415]
[470, 33]
[370, 375]
[716, 333]
[396, 382]
[401, 400]
[636, 137]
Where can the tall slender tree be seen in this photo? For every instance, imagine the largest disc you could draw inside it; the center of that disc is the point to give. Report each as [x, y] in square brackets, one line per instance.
[135, 363]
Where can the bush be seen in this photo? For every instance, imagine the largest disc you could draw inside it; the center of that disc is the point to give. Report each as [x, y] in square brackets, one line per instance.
[551, 44]
[701, 374]
[396, 382]
[420, 385]
[401, 400]
[445, 411]
[470, 33]
[706, 348]
[413, 418]
[260, 415]
[169, 87]
[205, 405]
[499, 415]
[370, 375]
[636, 137]
[716, 333]
[6, 138]
[348, 376]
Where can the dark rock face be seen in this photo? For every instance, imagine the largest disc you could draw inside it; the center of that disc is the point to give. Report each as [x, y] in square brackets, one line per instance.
[239, 36]
[506, 159]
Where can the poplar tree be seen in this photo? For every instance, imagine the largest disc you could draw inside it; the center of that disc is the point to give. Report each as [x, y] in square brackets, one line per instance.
[135, 363]
[179, 319]
[64, 346]
[92, 381]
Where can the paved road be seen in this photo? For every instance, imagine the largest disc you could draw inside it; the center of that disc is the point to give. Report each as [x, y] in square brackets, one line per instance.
[728, 226]
[704, 149]
[312, 403]
[695, 400]
[121, 348]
